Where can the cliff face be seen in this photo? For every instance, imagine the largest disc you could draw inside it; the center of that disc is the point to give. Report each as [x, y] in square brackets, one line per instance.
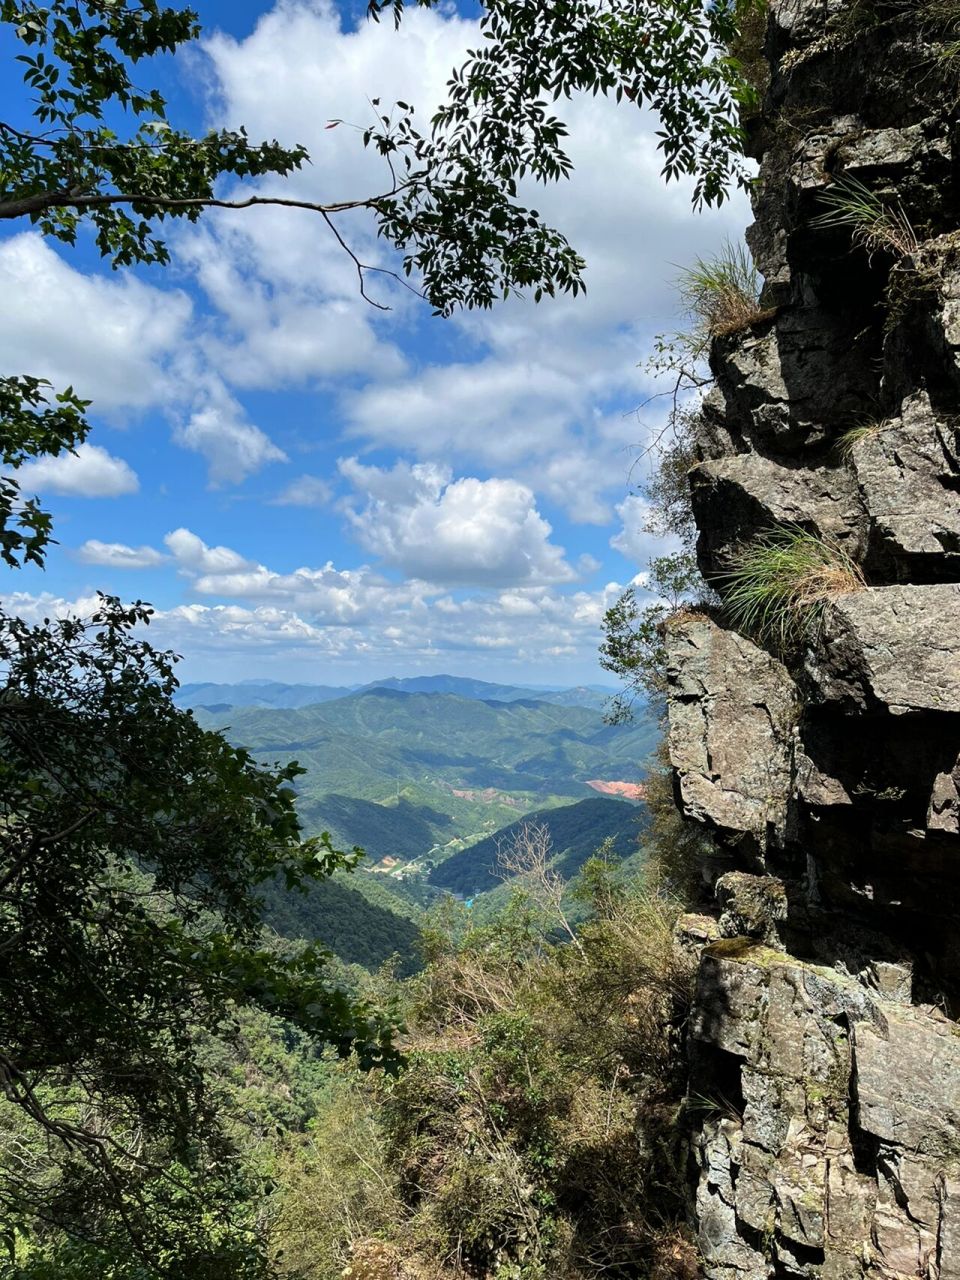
[823, 1041]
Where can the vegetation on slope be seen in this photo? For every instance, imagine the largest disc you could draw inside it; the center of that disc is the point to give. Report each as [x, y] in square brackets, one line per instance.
[129, 919]
[355, 917]
[575, 831]
[434, 768]
[118, 1161]
[537, 1129]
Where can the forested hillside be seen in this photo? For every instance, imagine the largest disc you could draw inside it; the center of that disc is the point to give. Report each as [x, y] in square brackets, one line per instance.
[357, 917]
[406, 774]
[574, 831]
[707, 1035]
[454, 774]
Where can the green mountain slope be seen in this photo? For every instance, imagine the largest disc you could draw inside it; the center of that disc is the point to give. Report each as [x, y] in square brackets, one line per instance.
[255, 693]
[416, 777]
[576, 831]
[437, 767]
[401, 829]
[355, 916]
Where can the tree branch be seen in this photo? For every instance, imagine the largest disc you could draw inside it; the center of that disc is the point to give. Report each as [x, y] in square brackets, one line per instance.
[44, 200]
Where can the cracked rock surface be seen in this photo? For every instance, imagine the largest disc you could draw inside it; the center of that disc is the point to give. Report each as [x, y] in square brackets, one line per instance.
[824, 1040]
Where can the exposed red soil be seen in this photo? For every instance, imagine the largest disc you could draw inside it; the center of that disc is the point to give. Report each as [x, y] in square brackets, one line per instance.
[628, 790]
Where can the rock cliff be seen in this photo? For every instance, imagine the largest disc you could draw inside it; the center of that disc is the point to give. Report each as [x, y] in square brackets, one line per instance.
[824, 1048]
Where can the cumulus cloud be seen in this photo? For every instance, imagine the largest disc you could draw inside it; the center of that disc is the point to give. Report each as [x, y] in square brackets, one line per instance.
[334, 596]
[277, 327]
[519, 629]
[116, 555]
[193, 555]
[110, 337]
[542, 396]
[90, 472]
[467, 531]
[633, 540]
[232, 447]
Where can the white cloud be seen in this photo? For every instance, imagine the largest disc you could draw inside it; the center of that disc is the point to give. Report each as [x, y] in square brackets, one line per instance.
[305, 491]
[576, 481]
[193, 555]
[90, 472]
[633, 541]
[108, 336]
[233, 448]
[116, 555]
[468, 532]
[521, 629]
[335, 596]
[279, 328]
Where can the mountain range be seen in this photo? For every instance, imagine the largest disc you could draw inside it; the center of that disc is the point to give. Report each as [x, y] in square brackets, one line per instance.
[574, 831]
[431, 784]
[402, 772]
[273, 693]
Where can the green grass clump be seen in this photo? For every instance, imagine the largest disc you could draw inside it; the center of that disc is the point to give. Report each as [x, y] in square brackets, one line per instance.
[848, 442]
[876, 224]
[721, 294]
[780, 582]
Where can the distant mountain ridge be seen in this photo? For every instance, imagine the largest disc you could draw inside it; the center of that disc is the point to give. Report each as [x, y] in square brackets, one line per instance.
[425, 777]
[415, 776]
[272, 693]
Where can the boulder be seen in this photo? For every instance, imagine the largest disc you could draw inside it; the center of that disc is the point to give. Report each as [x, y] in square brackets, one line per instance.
[908, 472]
[907, 1080]
[845, 1161]
[731, 711]
[943, 812]
[896, 648]
[789, 384]
[752, 906]
[735, 497]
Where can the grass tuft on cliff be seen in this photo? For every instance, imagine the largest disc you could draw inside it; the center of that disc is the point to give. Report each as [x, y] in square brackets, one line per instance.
[721, 294]
[877, 225]
[780, 582]
[867, 430]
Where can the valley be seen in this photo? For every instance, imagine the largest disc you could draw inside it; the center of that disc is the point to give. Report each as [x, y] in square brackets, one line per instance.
[432, 777]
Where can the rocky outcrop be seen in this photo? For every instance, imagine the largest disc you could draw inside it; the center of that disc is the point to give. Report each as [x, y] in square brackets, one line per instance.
[908, 472]
[733, 497]
[732, 708]
[836, 1151]
[894, 647]
[825, 1064]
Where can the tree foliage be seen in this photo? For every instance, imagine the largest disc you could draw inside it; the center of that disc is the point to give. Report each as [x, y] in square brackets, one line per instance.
[633, 646]
[35, 421]
[537, 1131]
[457, 212]
[64, 162]
[132, 843]
[71, 164]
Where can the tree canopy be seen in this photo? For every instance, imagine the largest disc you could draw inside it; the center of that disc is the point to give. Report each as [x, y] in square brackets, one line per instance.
[132, 847]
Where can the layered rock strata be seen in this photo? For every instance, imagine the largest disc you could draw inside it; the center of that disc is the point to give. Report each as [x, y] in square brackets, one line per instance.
[823, 1038]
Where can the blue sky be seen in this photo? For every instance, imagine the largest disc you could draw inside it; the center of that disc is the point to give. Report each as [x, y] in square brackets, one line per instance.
[307, 488]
